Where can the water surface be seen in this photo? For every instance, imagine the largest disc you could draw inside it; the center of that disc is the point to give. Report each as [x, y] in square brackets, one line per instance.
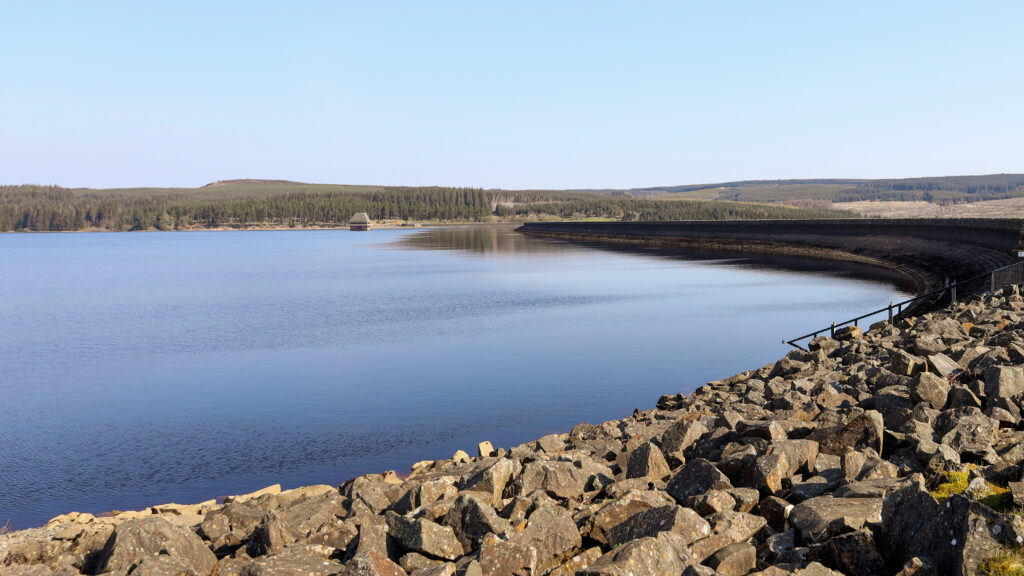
[143, 368]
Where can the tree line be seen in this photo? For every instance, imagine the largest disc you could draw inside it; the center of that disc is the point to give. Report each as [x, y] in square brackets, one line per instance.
[53, 208]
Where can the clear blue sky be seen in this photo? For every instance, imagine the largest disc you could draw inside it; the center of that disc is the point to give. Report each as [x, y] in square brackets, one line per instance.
[507, 94]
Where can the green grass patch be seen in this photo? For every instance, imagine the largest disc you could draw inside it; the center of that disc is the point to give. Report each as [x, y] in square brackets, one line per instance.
[1008, 563]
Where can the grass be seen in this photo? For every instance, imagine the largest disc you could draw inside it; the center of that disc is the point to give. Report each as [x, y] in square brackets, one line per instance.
[6, 528]
[995, 497]
[1008, 563]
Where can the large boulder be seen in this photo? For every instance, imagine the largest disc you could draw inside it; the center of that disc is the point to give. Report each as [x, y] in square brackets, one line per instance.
[682, 521]
[647, 461]
[297, 521]
[493, 479]
[473, 519]
[617, 511]
[561, 479]
[663, 555]
[422, 535]
[550, 536]
[696, 477]
[956, 536]
[821, 518]
[135, 540]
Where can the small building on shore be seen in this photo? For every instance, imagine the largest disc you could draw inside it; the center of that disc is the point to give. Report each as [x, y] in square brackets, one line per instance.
[360, 221]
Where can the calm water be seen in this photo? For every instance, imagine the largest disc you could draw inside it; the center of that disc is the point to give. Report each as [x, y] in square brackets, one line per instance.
[144, 368]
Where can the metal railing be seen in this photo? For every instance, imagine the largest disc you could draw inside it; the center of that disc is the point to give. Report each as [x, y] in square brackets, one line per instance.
[1005, 276]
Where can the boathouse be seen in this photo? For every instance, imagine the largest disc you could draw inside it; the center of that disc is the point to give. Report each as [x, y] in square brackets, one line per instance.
[360, 221]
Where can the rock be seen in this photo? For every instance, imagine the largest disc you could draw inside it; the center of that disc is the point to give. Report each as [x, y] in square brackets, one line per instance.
[968, 432]
[853, 553]
[734, 560]
[929, 388]
[493, 479]
[413, 561]
[647, 461]
[848, 333]
[918, 567]
[617, 511]
[683, 521]
[562, 479]
[272, 489]
[775, 511]
[441, 569]
[372, 563]
[472, 519]
[904, 364]
[861, 432]
[421, 535]
[821, 518]
[696, 477]
[297, 561]
[957, 536]
[711, 502]
[163, 566]
[681, 436]
[873, 488]
[1004, 382]
[297, 521]
[135, 540]
[549, 537]
[664, 555]
[485, 449]
[942, 365]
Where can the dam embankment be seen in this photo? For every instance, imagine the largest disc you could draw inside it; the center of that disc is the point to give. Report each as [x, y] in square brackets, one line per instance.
[932, 252]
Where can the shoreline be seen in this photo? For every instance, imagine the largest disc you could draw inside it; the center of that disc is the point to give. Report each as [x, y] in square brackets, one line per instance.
[815, 464]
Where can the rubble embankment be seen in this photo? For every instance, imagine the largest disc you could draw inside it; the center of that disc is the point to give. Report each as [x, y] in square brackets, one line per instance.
[931, 252]
[895, 451]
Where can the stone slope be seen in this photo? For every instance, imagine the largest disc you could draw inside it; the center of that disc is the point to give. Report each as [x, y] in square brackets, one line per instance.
[821, 463]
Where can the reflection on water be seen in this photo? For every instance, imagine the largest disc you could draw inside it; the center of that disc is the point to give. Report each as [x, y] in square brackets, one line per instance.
[504, 241]
[487, 241]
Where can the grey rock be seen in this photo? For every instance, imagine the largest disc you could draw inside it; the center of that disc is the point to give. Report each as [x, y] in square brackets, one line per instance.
[734, 560]
[821, 518]
[137, 539]
[929, 388]
[957, 536]
[647, 461]
[683, 521]
[696, 477]
[663, 555]
[421, 535]
[372, 563]
[549, 537]
[473, 519]
[1004, 381]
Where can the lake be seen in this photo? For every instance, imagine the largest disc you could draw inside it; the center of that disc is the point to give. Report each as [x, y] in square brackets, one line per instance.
[145, 368]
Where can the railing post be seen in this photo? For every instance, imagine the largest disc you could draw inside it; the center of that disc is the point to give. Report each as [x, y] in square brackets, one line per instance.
[833, 329]
[993, 289]
[952, 292]
[890, 312]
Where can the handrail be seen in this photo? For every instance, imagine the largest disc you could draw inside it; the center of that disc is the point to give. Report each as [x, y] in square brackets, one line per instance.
[900, 305]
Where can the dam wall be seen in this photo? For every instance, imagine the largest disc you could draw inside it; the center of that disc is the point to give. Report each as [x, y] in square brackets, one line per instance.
[932, 252]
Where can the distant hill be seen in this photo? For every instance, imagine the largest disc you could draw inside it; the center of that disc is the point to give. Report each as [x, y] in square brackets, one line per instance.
[938, 190]
[236, 182]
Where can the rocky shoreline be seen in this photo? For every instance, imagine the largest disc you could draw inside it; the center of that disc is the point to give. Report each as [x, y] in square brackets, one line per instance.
[895, 451]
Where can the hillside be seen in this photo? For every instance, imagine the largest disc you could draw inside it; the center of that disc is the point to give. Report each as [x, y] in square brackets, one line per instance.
[937, 190]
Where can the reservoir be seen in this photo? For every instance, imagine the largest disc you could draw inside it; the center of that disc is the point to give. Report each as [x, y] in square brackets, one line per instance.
[144, 368]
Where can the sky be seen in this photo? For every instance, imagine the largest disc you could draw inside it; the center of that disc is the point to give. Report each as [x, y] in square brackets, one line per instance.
[545, 94]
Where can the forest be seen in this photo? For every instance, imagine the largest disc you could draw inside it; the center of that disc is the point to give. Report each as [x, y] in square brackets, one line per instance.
[278, 203]
[287, 204]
